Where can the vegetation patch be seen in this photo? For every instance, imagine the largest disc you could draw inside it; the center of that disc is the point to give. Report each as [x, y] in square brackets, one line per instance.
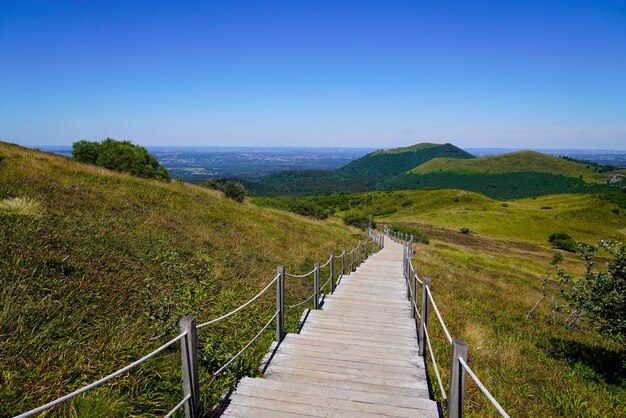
[563, 241]
[21, 206]
[121, 156]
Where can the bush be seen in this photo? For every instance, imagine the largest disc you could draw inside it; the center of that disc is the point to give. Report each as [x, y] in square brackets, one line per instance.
[121, 156]
[557, 257]
[505, 205]
[465, 230]
[563, 241]
[615, 210]
[601, 295]
[359, 220]
[407, 202]
[234, 190]
[418, 236]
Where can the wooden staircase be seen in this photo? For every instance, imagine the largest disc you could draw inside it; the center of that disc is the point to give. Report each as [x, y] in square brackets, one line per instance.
[357, 356]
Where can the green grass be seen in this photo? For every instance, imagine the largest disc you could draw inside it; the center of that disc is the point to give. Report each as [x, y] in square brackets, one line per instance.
[102, 276]
[538, 367]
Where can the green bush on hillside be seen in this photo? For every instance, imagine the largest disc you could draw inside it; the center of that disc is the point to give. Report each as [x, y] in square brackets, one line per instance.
[418, 236]
[465, 230]
[234, 190]
[120, 156]
[359, 220]
[601, 295]
[563, 241]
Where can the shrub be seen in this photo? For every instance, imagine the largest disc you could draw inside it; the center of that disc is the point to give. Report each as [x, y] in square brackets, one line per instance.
[418, 235]
[562, 241]
[121, 156]
[615, 211]
[359, 220]
[234, 190]
[407, 202]
[505, 205]
[557, 257]
[465, 230]
[546, 207]
[601, 296]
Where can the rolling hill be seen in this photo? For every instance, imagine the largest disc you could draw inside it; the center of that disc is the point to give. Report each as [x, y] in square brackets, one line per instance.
[507, 176]
[96, 267]
[515, 162]
[359, 175]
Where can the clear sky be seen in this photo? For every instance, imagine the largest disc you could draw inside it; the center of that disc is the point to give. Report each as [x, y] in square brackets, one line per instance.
[542, 74]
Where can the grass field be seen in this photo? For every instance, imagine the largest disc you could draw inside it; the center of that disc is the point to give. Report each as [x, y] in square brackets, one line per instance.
[539, 367]
[97, 267]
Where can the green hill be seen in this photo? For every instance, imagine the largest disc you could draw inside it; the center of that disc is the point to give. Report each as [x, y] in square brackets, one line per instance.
[359, 175]
[515, 162]
[383, 164]
[507, 176]
[96, 268]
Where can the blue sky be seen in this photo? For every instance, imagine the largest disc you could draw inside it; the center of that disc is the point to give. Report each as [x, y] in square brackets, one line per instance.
[536, 74]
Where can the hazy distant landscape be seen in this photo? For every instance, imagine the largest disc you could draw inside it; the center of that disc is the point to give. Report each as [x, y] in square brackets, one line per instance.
[196, 164]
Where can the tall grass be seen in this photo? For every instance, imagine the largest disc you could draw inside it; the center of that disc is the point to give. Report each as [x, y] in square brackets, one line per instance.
[104, 274]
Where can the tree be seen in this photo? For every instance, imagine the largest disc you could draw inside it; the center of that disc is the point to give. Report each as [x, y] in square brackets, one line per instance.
[120, 156]
[600, 295]
[234, 190]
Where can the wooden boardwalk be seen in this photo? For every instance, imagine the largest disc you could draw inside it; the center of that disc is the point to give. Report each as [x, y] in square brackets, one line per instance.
[357, 356]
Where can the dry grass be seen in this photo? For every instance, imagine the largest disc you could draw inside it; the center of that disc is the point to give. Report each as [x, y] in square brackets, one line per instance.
[21, 206]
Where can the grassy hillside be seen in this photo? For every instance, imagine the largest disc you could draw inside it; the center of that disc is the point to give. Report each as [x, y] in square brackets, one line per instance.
[515, 162]
[383, 164]
[486, 281]
[97, 267]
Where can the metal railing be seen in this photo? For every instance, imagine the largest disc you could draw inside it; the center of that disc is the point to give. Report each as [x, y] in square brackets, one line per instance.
[188, 329]
[454, 398]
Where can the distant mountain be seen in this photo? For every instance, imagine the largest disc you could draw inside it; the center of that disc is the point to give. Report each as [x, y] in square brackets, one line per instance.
[383, 164]
[357, 176]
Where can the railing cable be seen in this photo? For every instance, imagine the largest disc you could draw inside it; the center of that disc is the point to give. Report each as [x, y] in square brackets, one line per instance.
[101, 381]
[177, 407]
[443, 325]
[236, 356]
[483, 389]
[432, 356]
[241, 307]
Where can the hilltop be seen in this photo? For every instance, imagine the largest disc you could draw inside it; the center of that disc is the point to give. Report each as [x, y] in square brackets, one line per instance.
[383, 164]
[97, 267]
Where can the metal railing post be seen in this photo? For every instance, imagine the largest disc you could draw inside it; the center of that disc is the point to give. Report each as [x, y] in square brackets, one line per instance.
[332, 272]
[316, 286]
[365, 257]
[405, 266]
[424, 320]
[189, 357]
[456, 393]
[280, 304]
[352, 261]
[343, 263]
[358, 253]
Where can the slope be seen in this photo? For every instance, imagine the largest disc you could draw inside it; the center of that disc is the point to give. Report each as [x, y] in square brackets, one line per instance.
[96, 268]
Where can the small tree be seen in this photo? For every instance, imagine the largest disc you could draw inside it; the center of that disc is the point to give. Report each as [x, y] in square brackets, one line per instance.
[600, 295]
[234, 190]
